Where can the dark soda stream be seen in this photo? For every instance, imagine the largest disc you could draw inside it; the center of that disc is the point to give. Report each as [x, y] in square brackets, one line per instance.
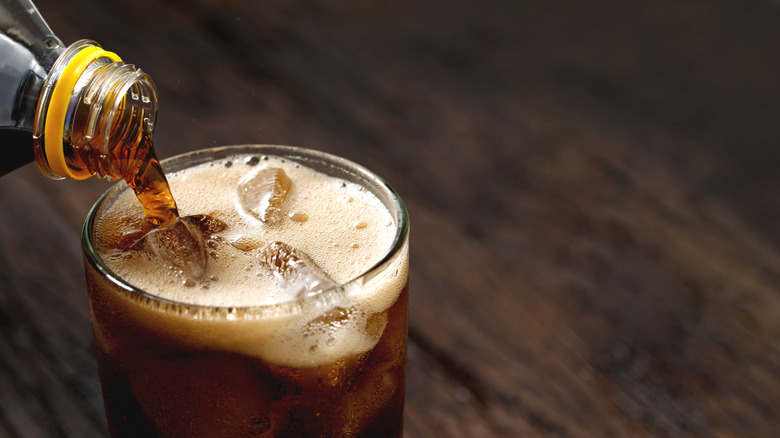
[139, 167]
[151, 188]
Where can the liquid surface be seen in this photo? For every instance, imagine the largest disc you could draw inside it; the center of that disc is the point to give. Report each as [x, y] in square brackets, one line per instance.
[342, 228]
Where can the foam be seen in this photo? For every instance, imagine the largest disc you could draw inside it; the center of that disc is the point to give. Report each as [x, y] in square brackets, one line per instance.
[348, 231]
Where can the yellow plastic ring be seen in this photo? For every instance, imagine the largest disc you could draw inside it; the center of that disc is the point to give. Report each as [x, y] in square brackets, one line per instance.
[58, 107]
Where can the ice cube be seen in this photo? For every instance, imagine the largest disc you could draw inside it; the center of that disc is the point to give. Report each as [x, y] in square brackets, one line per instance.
[181, 244]
[295, 271]
[262, 193]
[131, 229]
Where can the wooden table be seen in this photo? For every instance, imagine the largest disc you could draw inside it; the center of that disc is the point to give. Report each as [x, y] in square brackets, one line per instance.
[593, 189]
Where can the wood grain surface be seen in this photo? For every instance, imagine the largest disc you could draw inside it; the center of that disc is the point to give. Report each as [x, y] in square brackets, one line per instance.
[592, 186]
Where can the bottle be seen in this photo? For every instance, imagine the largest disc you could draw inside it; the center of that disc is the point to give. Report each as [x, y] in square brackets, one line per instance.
[77, 110]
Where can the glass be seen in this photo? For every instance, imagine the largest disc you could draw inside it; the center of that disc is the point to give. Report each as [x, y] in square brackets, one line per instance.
[175, 369]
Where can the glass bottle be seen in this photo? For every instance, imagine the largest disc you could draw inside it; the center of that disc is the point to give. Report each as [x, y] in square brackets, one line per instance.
[77, 110]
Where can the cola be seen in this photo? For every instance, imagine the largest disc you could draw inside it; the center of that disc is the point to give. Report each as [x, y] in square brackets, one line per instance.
[295, 324]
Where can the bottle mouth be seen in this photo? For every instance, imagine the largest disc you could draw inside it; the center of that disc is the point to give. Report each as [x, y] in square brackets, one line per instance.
[53, 105]
[124, 103]
[92, 100]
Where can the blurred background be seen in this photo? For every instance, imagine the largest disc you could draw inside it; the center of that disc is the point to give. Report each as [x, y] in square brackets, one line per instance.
[592, 189]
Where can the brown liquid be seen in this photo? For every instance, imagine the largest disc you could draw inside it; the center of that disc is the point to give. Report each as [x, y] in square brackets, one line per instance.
[133, 159]
[151, 188]
[156, 386]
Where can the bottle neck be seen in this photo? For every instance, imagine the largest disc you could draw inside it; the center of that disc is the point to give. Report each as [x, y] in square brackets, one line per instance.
[95, 115]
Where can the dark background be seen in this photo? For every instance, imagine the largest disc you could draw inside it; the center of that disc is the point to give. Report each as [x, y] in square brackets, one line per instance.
[592, 186]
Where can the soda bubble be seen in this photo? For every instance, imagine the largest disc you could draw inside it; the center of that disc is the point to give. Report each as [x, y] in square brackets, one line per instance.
[299, 217]
[262, 194]
[245, 243]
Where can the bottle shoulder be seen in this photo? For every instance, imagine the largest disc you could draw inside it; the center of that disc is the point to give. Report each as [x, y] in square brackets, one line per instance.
[21, 78]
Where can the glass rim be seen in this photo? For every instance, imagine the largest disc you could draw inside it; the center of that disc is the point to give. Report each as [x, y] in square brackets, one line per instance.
[294, 306]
